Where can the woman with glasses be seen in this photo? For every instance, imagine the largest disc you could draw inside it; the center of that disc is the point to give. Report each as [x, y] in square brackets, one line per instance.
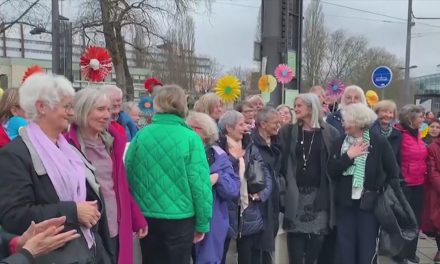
[44, 177]
[286, 115]
[249, 113]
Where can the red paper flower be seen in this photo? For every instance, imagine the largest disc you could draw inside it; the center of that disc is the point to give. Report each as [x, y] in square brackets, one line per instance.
[335, 89]
[150, 83]
[32, 70]
[96, 64]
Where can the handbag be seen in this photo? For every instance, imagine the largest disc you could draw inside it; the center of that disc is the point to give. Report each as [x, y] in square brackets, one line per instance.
[254, 173]
[368, 200]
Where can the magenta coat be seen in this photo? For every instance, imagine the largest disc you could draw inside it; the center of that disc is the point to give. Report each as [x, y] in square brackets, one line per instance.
[130, 217]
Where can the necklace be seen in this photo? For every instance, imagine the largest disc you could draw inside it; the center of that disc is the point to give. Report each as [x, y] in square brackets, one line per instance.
[306, 158]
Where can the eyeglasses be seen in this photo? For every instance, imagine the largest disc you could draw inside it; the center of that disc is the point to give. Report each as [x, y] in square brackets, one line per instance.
[68, 107]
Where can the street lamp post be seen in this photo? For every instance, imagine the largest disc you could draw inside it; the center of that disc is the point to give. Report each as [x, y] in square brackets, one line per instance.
[55, 38]
[407, 91]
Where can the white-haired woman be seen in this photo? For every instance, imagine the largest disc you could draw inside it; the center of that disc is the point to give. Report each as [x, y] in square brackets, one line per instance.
[104, 147]
[169, 178]
[133, 111]
[256, 101]
[308, 206]
[361, 164]
[44, 177]
[225, 186]
[245, 217]
[210, 104]
[352, 94]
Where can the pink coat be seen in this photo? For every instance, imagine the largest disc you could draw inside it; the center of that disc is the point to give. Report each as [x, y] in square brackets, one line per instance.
[130, 217]
[414, 156]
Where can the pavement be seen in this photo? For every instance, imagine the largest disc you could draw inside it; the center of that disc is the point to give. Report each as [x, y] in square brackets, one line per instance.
[426, 251]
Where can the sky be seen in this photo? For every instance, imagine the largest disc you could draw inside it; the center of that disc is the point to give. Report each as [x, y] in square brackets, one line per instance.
[227, 33]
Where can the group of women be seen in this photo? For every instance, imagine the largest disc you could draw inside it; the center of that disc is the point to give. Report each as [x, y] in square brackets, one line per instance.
[202, 179]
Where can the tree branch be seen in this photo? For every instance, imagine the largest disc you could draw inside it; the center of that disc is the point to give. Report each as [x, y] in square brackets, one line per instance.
[10, 24]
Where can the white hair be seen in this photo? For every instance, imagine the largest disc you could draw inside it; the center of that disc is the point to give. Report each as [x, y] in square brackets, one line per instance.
[359, 115]
[207, 124]
[111, 89]
[45, 87]
[229, 119]
[353, 88]
[312, 102]
[84, 102]
[127, 106]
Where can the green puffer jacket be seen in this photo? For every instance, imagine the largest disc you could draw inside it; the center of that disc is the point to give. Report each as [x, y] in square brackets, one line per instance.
[168, 172]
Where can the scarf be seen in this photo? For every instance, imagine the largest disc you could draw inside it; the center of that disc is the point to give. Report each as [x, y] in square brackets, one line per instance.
[358, 167]
[64, 167]
[236, 150]
[386, 132]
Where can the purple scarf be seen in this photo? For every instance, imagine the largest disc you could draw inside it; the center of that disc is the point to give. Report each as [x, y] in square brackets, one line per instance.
[64, 167]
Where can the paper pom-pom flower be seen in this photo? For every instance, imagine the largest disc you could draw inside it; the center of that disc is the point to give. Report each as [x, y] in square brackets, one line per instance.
[424, 133]
[1, 92]
[96, 64]
[228, 88]
[335, 89]
[372, 97]
[146, 105]
[283, 73]
[32, 70]
[267, 83]
[150, 83]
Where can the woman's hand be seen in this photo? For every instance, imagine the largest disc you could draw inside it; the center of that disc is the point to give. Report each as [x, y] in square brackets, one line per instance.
[198, 237]
[49, 240]
[358, 149]
[214, 178]
[35, 229]
[143, 232]
[255, 197]
[88, 213]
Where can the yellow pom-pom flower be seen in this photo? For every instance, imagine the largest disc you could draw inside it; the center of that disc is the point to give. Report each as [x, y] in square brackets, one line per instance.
[267, 83]
[228, 88]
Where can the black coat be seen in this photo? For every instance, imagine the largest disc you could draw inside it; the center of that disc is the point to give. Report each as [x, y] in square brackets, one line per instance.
[381, 167]
[25, 197]
[270, 209]
[288, 136]
[21, 257]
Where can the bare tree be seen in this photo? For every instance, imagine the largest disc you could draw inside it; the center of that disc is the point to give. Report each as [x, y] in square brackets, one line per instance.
[243, 74]
[207, 80]
[28, 12]
[314, 44]
[113, 18]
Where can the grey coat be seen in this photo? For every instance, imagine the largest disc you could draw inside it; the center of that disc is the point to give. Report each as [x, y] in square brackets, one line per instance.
[288, 188]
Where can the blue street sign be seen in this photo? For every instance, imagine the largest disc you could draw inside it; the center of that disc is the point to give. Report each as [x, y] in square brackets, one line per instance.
[382, 77]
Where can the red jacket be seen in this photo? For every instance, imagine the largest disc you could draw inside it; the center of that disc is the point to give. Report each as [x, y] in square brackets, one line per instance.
[130, 217]
[4, 139]
[414, 155]
[431, 213]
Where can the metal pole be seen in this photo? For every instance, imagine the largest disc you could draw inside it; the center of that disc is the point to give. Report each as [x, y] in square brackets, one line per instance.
[55, 38]
[271, 41]
[407, 91]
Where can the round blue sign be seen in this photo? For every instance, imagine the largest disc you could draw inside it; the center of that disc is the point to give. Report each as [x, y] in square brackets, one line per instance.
[382, 77]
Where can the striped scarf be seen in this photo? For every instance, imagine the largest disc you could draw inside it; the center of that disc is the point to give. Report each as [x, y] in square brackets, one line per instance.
[358, 167]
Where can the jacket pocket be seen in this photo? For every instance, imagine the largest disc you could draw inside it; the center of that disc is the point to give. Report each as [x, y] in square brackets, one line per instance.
[252, 220]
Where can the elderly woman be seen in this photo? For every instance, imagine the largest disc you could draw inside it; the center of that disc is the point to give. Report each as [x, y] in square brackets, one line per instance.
[245, 210]
[133, 111]
[104, 149]
[386, 112]
[256, 101]
[225, 185]
[120, 119]
[266, 140]
[211, 105]
[286, 116]
[169, 177]
[12, 116]
[352, 94]
[413, 168]
[361, 163]
[308, 201]
[249, 113]
[44, 177]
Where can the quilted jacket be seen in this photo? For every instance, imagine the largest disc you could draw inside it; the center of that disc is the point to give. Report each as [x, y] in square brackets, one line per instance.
[168, 172]
[414, 155]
